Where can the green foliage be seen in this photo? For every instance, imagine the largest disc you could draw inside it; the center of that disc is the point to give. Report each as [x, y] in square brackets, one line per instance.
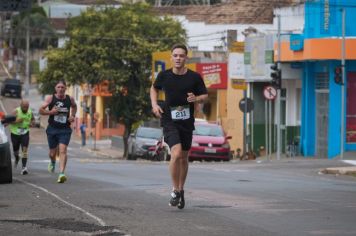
[35, 67]
[114, 44]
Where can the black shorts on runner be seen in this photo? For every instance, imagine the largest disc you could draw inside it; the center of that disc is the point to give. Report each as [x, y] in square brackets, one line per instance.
[173, 134]
[55, 136]
[17, 140]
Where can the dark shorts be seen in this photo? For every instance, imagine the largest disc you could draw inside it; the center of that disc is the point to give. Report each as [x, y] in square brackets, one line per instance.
[173, 134]
[56, 136]
[18, 140]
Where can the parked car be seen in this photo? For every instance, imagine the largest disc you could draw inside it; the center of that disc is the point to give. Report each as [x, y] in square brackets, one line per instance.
[5, 152]
[209, 143]
[142, 140]
[11, 87]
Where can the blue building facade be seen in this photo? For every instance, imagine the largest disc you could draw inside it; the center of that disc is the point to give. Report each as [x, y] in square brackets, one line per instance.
[319, 49]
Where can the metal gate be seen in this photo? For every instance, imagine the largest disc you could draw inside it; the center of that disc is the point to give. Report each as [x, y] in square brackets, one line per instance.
[322, 114]
[322, 121]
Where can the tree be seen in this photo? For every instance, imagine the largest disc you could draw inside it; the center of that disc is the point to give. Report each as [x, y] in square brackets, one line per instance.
[114, 45]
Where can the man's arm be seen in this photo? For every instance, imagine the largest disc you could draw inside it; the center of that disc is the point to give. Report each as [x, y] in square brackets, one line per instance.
[73, 107]
[18, 120]
[201, 98]
[43, 109]
[198, 99]
[73, 111]
[156, 109]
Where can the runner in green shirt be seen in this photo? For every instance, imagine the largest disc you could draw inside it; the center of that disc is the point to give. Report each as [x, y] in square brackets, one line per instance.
[20, 133]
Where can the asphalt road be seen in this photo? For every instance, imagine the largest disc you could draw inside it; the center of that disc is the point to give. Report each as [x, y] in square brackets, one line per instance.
[115, 197]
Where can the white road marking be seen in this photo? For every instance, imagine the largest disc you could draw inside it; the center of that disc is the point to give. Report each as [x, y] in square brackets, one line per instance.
[100, 221]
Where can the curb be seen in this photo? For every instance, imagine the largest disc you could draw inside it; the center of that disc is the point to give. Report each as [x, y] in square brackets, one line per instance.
[100, 153]
[340, 170]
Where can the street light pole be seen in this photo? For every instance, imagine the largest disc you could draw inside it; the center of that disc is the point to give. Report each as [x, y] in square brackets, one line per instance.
[278, 108]
[342, 85]
[27, 76]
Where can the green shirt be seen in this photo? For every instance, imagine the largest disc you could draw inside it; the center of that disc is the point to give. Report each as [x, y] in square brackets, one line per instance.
[24, 126]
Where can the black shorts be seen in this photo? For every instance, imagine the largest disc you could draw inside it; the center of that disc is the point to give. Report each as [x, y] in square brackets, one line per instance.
[56, 136]
[174, 134]
[17, 140]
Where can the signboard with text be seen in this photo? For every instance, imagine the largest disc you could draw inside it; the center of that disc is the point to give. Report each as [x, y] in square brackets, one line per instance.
[214, 74]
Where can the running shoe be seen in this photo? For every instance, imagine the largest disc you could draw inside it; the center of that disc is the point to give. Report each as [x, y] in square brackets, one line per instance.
[61, 179]
[24, 171]
[51, 167]
[175, 196]
[181, 203]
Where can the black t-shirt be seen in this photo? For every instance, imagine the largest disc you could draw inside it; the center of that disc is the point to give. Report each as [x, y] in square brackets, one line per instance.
[176, 88]
[60, 120]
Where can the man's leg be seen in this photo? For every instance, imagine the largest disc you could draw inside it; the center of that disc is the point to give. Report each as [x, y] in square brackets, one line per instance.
[64, 139]
[183, 170]
[176, 172]
[52, 157]
[24, 170]
[15, 148]
[53, 145]
[174, 165]
[62, 157]
[25, 140]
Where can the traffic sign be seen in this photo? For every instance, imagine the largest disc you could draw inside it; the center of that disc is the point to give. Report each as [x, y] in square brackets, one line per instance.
[270, 92]
[246, 105]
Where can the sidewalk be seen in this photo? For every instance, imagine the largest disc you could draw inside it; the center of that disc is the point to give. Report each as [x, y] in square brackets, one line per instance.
[101, 148]
[349, 160]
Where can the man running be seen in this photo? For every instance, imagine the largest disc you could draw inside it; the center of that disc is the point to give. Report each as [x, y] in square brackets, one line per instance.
[20, 133]
[61, 111]
[182, 88]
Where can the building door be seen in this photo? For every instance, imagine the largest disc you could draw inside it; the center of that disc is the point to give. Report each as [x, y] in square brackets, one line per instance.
[322, 121]
[351, 108]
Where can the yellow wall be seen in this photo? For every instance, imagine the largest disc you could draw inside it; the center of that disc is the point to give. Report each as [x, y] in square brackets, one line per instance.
[233, 123]
[234, 120]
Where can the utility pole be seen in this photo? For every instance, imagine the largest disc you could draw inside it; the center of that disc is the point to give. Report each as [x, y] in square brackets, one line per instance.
[27, 74]
[278, 105]
[342, 85]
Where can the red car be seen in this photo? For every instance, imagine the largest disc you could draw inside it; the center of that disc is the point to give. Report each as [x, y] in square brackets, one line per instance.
[209, 143]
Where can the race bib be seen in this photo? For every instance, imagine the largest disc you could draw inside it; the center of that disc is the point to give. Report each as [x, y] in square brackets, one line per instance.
[21, 131]
[180, 112]
[61, 118]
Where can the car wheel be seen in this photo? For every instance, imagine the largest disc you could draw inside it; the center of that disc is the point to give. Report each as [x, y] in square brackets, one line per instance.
[6, 171]
[131, 156]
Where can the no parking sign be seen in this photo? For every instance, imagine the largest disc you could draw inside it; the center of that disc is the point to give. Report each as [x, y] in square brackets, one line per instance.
[270, 92]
